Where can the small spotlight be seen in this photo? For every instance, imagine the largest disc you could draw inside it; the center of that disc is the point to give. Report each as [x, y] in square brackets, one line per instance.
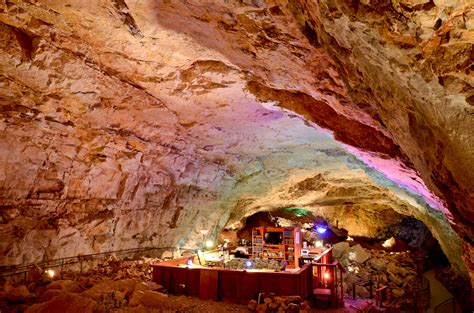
[319, 244]
[189, 262]
[248, 264]
[326, 276]
[50, 273]
[389, 243]
[204, 231]
[209, 244]
[321, 229]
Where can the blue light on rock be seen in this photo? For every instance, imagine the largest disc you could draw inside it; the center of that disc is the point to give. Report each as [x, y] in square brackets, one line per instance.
[248, 264]
[321, 229]
[189, 262]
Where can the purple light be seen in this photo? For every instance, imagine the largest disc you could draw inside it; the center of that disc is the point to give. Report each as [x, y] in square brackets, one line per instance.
[321, 229]
[248, 264]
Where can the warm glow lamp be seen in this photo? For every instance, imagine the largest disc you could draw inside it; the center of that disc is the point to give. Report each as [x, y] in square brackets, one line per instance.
[209, 244]
[50, 273]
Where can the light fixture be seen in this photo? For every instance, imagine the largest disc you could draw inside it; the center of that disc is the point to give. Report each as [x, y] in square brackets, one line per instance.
[204, 232]
[189, 262]
[209, 244]
[326, 276]
[321, 229]
[50, 273]
[389, 243]
[349, 238]
[319, 244]
[248, 264]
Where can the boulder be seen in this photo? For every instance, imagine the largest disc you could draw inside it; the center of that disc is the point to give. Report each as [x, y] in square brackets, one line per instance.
[16, 294]
[273, 306]
[362, 292]
[378, 264]
[49, 294]
[358, 254]
[398, 293]
[293, 299]
[262, 308]
[106, 286]
[167, 255]
[148, 285]
[70, 303]
[340, 250]
[152, 299]
[293, 307]
[65, 285]
[252, 305]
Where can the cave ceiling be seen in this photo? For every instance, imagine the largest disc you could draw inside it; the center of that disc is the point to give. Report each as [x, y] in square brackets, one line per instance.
[139, 123]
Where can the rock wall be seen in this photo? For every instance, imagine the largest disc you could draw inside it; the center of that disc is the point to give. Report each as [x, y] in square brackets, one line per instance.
[409, 65]
[130, 124]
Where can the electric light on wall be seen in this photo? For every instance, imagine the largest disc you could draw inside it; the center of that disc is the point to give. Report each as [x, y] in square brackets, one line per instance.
[50, 273]
[389, 243]
[209, 244]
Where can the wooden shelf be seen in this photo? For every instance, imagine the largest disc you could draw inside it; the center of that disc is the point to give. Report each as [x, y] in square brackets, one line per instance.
[290, 240]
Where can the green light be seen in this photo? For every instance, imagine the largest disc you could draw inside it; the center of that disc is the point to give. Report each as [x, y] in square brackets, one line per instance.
[298, 212]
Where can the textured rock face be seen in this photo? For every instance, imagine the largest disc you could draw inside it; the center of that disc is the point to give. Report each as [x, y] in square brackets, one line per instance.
[130, 124]
[409, 65]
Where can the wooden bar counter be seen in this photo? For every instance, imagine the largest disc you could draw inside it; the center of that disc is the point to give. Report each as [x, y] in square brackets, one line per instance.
[238, 286]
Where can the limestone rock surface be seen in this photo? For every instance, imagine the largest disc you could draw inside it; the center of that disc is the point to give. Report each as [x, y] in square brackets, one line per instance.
[130, 124]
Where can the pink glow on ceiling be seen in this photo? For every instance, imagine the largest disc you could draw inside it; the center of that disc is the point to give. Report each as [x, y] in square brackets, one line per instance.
[402, 176]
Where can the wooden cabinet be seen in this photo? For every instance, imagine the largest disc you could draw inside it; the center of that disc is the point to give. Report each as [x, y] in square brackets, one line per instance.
[279, 243]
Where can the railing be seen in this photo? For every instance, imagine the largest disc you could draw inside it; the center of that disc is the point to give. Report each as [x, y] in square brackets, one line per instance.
[23, 269]
[447, 306]
[414, 301]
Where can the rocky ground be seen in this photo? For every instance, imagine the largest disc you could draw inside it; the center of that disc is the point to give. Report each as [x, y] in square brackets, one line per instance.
[122, 286]
[397, 270]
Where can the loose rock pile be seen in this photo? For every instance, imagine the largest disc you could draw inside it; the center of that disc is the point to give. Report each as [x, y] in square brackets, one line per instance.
[120, 269]
[394, 269]
[273, 303]
[111, 285]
